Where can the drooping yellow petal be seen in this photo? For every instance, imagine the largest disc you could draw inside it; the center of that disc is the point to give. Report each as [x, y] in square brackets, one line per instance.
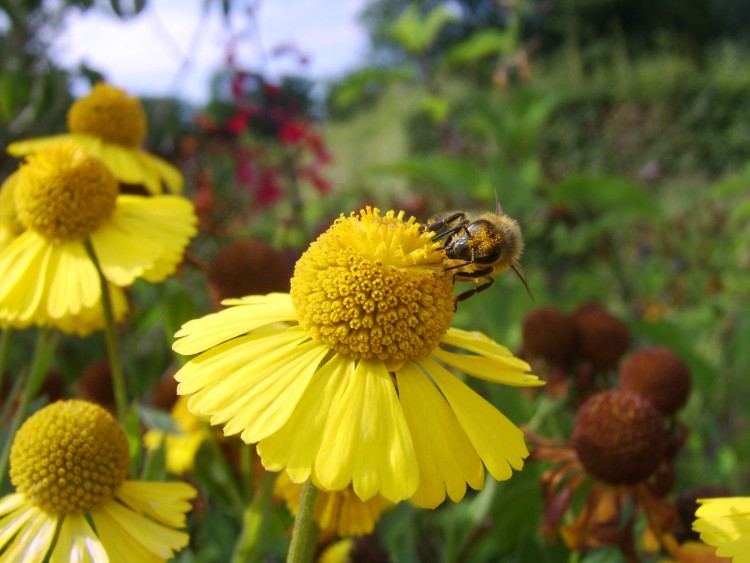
[16, 512]
[499, 443]
[75, 285]
[231, 362]
[166, 503]
[34, 539]
[509, 371]
[28, 146]
[120, 545]
[273, 394]
[24, 279]
[145, 236]
[133, 165]
[77, 542]
[447, 460]
[161, 541]
[296, 444]
[366, 441]
[725, 524]
[201, 334]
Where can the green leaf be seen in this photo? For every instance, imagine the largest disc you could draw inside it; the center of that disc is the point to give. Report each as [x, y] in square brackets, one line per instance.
[416, 35]
[356, 83]
[480, 45]
[451, 173]
[605, 193]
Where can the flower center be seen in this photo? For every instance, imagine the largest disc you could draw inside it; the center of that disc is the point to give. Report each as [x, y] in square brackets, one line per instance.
[374, 286]
[109, 114]
[63, 193]
[69, 457]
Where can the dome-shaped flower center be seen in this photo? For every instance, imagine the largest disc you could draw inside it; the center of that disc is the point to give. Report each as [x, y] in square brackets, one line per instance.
[64, 193]
[374, 286]
[109, 114]
[619, 437]
[69, 457]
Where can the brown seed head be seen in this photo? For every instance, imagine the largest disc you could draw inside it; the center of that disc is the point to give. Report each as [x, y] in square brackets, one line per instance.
[619, 437]
[659, 375]
[603, 338]
[550, 334]
[248, 267]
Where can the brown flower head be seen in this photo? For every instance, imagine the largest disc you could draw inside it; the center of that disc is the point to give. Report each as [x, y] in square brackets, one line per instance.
[550, 334]
[248, 267]
[659, 375]
[619, 437]
[603, 338]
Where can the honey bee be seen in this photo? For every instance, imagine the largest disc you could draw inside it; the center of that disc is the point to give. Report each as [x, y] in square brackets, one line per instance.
[479, 247]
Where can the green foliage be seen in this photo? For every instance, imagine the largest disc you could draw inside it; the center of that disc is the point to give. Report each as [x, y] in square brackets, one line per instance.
[416, 34]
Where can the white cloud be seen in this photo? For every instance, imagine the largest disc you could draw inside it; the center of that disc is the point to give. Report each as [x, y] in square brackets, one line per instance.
[159, 53]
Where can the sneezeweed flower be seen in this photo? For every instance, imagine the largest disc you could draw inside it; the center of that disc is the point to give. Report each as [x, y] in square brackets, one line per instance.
[619, 441]
[337, 512]
[182, 446]
[63, 198]
[725, 524]
[363, 337]
[89, 511]
[111, 125]
[10, 228]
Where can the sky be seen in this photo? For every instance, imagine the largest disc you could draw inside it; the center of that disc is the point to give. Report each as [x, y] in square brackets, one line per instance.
[173, 46]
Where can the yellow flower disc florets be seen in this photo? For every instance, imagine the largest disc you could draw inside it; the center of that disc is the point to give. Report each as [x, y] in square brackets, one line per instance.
[109, 114]
[374, 286]
[64, 193]
[69, 457]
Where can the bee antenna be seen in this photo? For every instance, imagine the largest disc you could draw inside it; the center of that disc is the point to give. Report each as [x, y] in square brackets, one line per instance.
[498, 207]
[522, 276]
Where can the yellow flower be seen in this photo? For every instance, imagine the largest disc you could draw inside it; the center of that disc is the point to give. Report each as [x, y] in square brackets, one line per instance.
[180, 448]
[725, 524]
[82, 445]
[63, 197]
[340, 512]
[344, 380]
[111, 126]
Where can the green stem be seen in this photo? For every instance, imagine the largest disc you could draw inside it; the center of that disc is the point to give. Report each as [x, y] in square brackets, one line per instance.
[115, 365]
[305, 534]
[4, 352]
[34, 382]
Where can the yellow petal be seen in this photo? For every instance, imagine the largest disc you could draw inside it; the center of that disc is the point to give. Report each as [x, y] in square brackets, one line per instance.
[17, 513]
[446, 457]
[34, 539]
[230, 363]
[476, 342]
[367, 442]
[497, 440]
[28, 146]
[201, 334]
[271, 396]
[25, 272]
[145, 236]
[167, 503]
[77, 542]
[296, 444]
[161, 541]
[508, 371]
[121, 546]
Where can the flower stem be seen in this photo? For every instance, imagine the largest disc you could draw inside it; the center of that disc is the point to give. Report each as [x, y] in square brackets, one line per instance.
[4, 352]
[115, 365]
[305, 534]
[36, 373]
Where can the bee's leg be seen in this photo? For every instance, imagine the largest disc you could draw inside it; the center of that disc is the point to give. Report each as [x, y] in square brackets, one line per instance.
[445, 223]
[466, 294]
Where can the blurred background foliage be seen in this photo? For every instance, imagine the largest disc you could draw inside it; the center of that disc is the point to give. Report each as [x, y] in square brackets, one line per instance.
[616, 132]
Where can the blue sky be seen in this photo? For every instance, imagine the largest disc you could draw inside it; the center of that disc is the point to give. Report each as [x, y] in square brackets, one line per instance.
[173, 46]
